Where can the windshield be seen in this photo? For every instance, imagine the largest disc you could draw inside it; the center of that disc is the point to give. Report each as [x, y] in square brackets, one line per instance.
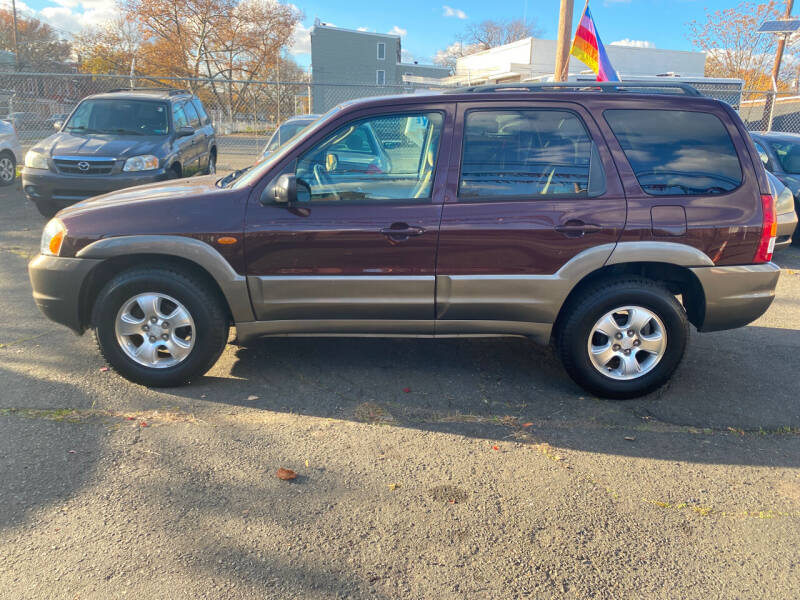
[789, 155]
[250, 175]
[132, 117]
[286, 132]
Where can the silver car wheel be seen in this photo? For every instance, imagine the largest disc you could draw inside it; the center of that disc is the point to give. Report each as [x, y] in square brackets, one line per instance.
[7, 170]
[155, 330]
[627, 342]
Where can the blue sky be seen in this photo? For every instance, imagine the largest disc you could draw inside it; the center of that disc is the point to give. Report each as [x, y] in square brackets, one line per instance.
[428, 26]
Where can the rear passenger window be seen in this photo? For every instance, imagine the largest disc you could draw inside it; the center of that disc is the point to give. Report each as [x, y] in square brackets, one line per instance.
[528, 154]
[191, 115]
[201, 111]
[676, 152]
[179, 117]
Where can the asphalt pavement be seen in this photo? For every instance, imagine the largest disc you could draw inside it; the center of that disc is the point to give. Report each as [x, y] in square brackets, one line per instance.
[426, 468]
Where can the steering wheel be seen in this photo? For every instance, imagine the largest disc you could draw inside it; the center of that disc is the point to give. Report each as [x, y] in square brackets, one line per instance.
[324, 180]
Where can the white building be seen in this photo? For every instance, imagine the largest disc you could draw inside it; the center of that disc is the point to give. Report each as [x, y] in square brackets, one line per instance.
[533, 59]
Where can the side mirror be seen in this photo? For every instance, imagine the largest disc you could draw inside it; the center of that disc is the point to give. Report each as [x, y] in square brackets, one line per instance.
[57, 124]
[184, 132]
[285, 190]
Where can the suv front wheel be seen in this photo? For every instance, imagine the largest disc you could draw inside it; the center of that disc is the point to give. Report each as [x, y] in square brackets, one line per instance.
[159, 327]
[623, 338]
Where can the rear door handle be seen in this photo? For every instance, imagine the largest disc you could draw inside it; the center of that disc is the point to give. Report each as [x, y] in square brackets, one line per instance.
[402, 231]
[577, 228]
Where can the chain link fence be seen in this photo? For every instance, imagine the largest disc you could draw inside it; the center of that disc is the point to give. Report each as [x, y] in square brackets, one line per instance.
[246, 113]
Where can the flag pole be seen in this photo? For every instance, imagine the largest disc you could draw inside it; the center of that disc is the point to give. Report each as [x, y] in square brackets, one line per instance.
[564, 37]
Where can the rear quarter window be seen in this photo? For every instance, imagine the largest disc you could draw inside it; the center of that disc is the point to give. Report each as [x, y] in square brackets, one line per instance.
[677, 152]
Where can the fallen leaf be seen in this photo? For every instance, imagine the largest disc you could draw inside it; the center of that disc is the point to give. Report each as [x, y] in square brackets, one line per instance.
[285, 474]
[495, 447]
[306, 463]
[103, 369]
[630, 438]
[143, 424]
[527, 424]
[131, 418]
[253, 397]
[407, 390]
[393, 486]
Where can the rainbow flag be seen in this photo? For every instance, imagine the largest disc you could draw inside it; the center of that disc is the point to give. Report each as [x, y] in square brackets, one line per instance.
[587, 47]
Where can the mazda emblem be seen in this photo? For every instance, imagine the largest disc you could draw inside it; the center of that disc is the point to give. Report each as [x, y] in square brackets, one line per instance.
[83, 165]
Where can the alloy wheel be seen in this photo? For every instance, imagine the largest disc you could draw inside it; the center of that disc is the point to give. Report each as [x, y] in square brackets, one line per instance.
[155, 330]
[627, 342]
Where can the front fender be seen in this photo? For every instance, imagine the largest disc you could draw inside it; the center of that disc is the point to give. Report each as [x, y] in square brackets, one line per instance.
[233, 285]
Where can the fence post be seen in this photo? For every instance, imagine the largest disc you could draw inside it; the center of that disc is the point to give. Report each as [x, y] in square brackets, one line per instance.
[769, 109]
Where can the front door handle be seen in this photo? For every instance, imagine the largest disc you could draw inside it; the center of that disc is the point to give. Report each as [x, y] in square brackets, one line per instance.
[577, 228]
[402, 231]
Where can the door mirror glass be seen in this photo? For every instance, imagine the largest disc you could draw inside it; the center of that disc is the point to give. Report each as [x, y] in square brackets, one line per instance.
[286, 190]
[185, 132]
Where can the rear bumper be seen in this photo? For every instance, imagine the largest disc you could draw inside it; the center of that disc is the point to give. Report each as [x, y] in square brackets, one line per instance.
[737, 295]
[57, 283]
[61, 191]
[787, 222]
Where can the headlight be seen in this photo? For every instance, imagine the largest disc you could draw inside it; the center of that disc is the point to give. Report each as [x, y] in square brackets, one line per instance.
[35, 160]
[53, 237]
[146, 162]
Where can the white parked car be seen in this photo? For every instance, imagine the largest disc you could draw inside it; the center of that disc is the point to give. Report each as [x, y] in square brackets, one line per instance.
[10, 153]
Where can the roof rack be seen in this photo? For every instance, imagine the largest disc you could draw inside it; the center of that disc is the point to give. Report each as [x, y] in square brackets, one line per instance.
[171, 91]
[632, 87]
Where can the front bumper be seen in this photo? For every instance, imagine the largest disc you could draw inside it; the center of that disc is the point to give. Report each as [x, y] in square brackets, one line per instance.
[787, 222]
[736, 295]
[57, 285]
[60, 191]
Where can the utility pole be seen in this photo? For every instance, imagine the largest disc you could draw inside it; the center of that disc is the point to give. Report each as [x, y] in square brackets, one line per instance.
[564, 37]
[769, 105]
[776, 68]
[16, 45]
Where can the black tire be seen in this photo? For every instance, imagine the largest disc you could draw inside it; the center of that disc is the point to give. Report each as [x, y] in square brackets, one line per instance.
[211, 169]
[572, 337]
[206, 309]
[46, 208]
[175, 172]
[796, 234]
[8, 168]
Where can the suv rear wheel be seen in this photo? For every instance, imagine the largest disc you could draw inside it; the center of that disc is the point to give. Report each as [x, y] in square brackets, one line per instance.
[159, 327]
[623, 338]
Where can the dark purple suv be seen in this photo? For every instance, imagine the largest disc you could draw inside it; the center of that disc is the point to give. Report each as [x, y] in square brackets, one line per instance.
[603, 218]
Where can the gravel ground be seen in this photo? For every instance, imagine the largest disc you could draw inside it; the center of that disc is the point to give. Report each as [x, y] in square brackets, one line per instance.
[427, 469]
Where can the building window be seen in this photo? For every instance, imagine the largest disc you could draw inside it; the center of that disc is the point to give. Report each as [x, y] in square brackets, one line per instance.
[380, 77]
[381, 51]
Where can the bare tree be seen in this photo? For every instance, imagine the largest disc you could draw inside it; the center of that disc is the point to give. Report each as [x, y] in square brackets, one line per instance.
[484, 35]
[733, 46]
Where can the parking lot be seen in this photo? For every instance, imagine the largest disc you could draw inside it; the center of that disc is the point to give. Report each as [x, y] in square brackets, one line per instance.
[427, 468]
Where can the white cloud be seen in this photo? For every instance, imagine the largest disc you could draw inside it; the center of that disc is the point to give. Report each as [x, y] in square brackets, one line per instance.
[398, 31]
[634, 43]
[362, 29]
[449, 11]
[301, 40]
[70, 16]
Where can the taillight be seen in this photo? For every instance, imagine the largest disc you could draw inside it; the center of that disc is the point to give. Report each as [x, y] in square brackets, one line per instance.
[769, 230]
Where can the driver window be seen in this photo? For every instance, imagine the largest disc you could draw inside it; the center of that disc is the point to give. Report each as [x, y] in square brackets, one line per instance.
[379, 159]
